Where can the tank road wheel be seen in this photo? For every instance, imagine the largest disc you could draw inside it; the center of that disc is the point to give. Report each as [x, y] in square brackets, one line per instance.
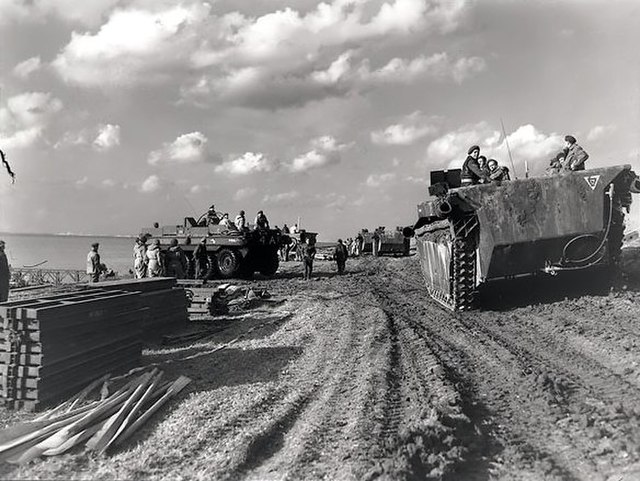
[227, 262]
[270, 264]
[463, 278]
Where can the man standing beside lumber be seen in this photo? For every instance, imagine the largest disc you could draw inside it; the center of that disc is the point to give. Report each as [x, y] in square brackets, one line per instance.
[93, 263]
[5, 275]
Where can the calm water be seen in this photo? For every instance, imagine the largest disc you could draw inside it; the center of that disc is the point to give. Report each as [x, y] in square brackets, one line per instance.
[67, 252]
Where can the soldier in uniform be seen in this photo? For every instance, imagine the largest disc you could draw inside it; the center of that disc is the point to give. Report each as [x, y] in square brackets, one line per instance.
[308, 255]
[4, 274]
[201, 259]
[340, 255]
[497, 173]
[576, 156]
[140, 257]
[471, 171]
[93, 263]
[176, 261]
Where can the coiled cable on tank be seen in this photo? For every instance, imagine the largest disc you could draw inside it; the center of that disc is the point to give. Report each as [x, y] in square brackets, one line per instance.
[602, 243]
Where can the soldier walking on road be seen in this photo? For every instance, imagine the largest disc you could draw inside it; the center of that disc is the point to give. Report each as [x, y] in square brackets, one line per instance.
[5, 274]
[93, 263]
[140, 257]
[340, 255]
[308, 255]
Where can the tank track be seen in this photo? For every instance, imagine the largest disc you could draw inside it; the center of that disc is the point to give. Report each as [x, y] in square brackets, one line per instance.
[462, 283]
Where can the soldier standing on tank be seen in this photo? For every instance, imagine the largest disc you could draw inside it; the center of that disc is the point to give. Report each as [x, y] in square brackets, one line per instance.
[5, 274]
[497, 173]
[340, 255]
[140, 257]
[241, 221]
[154, 260]
[471, 171]
[576, 156]
[212, 216]
[176, 260]
[201, 259]
[556, 164]
[308, 255]
[261, 221]
[93, 263]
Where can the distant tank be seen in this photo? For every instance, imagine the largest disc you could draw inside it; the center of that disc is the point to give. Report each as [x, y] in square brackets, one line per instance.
[233, 253]
[389, 242]
[467, 236]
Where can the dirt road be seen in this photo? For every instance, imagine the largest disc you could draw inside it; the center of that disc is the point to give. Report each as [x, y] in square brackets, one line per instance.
[361, 376]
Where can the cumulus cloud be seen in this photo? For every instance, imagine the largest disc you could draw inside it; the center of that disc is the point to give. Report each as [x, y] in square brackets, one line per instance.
[411, 129]
[26, 68]
[281, 198]
[151, 184]
[378, 180]
[108, 137]
[76, 11]
[600, 131]
[324, 151]
[186, 149]
[134, 46]
[248, 163]
[25, 118]
[526, 143]
[438, 66]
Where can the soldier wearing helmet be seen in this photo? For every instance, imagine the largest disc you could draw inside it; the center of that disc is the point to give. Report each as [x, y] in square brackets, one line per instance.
[241, 221]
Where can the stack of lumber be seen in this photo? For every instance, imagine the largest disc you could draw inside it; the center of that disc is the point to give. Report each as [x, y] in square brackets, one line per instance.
[166, 304]
[51, 346]
[98, 425]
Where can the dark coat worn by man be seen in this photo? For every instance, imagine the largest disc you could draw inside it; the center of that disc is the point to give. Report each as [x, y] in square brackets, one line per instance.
[576, 156]
[308, 254]
[5, 275]
[201, 259]
[176, 261]
[340, 255]
[472, 173]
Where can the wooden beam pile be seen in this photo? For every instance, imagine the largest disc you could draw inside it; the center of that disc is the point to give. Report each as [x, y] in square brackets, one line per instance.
[166, 304]
[52, 346]
[99, 425]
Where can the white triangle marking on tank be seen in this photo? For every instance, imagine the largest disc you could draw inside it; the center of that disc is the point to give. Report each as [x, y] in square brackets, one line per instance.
[592, 181]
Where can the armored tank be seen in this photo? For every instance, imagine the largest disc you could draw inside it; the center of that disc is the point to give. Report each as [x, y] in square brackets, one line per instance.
[468, 236]
[232, 253]
[389, 242]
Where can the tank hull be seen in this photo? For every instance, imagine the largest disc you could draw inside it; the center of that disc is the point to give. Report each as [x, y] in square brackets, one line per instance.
[521, 227]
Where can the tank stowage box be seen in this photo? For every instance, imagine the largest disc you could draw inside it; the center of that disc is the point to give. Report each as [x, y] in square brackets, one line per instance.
[467, 236]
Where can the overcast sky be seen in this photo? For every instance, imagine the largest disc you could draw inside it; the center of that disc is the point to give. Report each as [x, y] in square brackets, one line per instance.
[119, 113]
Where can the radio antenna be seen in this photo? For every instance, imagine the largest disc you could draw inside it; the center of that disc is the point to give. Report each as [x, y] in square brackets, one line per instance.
[506, 140]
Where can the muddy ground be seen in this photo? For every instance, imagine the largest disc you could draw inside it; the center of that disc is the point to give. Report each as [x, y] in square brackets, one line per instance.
[362, 376]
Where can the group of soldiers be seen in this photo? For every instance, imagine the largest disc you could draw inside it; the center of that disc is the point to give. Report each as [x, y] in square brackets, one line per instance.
[478, 170]
[571, 158]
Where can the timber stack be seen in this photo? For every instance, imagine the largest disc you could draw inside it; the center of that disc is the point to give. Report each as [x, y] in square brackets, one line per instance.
[52, 346]
[166, 303]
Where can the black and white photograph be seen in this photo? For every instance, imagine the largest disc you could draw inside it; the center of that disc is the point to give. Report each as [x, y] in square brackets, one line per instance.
[279, 240]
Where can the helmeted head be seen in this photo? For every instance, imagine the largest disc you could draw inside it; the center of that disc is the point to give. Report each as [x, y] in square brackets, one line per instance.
[241, 212]
[474, 151]
[492, 164]
[1, 245]
[482, 160]
[174, 242]
[339, 241]
[260, 212]
[95, 245]
[561, 156]
[225, 215]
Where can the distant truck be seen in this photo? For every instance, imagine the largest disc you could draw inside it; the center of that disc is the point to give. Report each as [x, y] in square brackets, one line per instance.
[232, 253]
[389, 242]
